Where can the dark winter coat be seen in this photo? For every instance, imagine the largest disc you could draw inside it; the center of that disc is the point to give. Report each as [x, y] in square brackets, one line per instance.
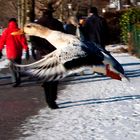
[95, 30]
[70, 29]
[14, 44]
[44, 47]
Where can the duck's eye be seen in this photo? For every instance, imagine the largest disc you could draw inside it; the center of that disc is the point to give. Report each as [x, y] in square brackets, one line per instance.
[28, 26]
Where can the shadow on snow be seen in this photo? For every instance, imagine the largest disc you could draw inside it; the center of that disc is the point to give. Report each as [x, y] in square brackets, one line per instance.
[97, 101]
[75, 79]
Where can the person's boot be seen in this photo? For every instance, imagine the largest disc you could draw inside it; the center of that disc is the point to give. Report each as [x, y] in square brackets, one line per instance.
[50, 89]
[16, 84]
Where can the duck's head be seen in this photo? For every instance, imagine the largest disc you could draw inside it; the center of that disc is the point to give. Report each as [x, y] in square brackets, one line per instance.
[30, 29]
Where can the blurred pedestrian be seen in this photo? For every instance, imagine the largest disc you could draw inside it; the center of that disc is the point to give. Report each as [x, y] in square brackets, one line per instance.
[39, 45]
[72, 27]
[15, 44]
[95, 28]
[43, 47]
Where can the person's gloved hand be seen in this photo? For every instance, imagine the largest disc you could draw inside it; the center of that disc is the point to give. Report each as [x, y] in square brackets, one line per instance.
[1, 55]
[27, 55]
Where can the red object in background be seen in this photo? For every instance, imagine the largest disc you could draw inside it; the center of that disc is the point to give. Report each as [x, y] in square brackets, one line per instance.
[14, 44]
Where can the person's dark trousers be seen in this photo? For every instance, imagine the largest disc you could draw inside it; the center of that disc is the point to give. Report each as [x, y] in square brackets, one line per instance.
[50, 89]
[15, 72]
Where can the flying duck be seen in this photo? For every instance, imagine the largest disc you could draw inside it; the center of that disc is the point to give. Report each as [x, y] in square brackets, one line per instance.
[70, 55]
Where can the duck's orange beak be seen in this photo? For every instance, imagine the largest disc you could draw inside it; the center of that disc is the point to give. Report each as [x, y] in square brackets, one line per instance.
[19, 32]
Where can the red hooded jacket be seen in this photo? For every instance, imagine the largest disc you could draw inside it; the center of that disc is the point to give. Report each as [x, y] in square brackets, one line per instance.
[14, 43]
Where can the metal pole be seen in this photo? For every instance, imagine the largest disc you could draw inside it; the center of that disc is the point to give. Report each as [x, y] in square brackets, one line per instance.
[61, 12]
[19, 12]
[119, 5]
[23, 12]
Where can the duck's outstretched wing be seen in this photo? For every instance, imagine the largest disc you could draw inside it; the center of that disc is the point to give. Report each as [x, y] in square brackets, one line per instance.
[57, 64]
[60, 63]
[49, 68]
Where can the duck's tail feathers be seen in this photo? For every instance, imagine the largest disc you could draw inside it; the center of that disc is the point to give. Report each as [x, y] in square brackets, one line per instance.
[124, 76]
[114, 74]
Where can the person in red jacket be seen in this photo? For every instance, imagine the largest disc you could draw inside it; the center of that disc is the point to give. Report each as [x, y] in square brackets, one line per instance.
[14, 48]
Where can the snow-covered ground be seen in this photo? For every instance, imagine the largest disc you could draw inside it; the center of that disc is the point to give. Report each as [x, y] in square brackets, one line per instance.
[3, 61]
[92, 107]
